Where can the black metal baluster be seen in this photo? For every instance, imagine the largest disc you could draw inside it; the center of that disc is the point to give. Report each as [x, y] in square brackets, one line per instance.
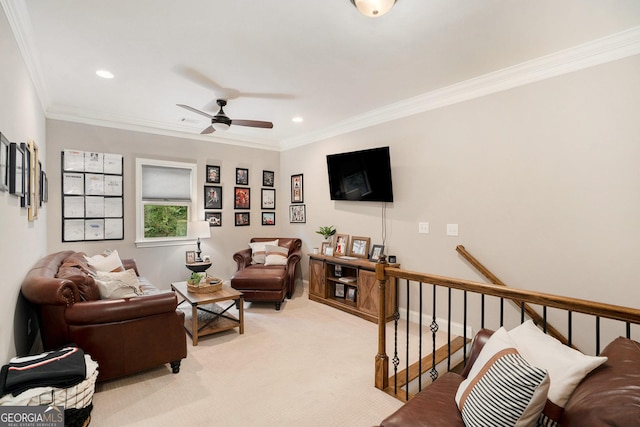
[597, 334]
[570, 331]
[544, 318]
[433, 373]
[406, 372]
[420, 344]
[501, 311]
[482, 311]
[449, 331]
[464, 330]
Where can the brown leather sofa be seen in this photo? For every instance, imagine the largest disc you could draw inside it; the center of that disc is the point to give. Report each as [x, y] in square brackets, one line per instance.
[124, 335]
[608, 396]
[267, 283]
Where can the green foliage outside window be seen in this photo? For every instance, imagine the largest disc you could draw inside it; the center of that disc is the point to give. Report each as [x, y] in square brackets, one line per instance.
[165, 221]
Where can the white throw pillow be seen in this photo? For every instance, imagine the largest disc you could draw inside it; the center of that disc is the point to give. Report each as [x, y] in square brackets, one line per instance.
[110, 262]
[566, 366]
[259, 252]
[120, 284]
[502, 388]
[276, 255]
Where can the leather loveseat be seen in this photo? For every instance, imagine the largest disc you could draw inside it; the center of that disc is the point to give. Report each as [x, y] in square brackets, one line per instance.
[261, 282]
[607, 396]
[124, 335]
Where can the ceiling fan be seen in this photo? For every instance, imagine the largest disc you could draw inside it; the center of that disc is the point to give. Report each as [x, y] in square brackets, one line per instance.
[220, 121]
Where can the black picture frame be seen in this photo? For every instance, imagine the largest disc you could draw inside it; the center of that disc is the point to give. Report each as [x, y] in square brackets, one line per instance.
[268, 218]
[297, 188]
[242, 219]
[25, 201]
[268, 178]
[4, 163]
[242, 198]
[44, 187]
[339, 290]
[213, 218]
[242, 176]
[297, 214]
[268, 198]
[16, 169]
[213, 174]
[376, 251]
[213, 197]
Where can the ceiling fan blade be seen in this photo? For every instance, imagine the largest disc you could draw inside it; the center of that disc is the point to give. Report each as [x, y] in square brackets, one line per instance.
[210, 129]
[195, 110]
[200, 79]
[252, 123]
[266, 95]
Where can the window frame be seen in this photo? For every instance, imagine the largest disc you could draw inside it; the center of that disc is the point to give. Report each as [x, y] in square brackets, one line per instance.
[141, 241]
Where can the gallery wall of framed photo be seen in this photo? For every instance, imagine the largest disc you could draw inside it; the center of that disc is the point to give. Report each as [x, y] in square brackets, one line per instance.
[92, 196]
[242, 196]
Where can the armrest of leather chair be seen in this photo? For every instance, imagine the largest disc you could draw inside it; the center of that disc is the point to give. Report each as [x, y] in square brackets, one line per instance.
[479, 341]
[116, 310]
[130, 264]
[42, 290]
[242, 258]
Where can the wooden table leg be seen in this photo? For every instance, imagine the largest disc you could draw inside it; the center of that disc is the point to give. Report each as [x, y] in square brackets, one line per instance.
[241, 314]
[194, 322]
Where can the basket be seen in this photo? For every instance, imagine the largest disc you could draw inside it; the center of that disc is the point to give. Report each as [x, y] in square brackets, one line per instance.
[211, 284]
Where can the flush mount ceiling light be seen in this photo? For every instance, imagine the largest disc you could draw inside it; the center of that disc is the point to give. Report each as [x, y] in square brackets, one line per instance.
[104, 74]
[373, 8]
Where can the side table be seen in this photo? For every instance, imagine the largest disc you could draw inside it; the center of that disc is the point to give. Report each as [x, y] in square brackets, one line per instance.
[206, 316]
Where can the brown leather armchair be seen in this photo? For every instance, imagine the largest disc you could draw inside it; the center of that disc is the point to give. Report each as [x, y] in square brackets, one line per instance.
[124, 335]
[267, 283]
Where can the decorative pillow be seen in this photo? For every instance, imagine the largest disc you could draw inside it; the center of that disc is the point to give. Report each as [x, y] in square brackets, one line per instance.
[276, 255]
[120, 284]
[566, 366]
[259, 252]
[110, 262]
[502, 388]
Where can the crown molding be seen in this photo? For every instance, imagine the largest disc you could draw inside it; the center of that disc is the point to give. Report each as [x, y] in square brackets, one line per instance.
[596, 52]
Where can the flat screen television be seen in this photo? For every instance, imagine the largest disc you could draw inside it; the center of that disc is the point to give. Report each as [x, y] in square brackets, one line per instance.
[361, 175]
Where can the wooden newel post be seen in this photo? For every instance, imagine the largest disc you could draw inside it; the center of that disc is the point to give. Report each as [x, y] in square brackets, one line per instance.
[382, 360]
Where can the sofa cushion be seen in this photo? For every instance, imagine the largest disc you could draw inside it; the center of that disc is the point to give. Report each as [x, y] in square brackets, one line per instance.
[276, 255]
[503, 386]
[109, 262]
[259, 277]
[566, 366]
[259, 251]
[120, 284]
[610, 395]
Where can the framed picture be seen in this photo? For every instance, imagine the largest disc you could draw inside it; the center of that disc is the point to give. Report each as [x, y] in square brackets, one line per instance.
[268, 198]
[376, 251]
[242, 198]
[16, 169]
[213, 174]
[25, 201]
[268, 178]
[4, 163]
[339, 290]
[359, 247]
[297, 195]
[326, 249]
[214, 218]
[44, 187]
[190, 257]
[342, 242]
[242, 218]
[268, 218]
[297, 213]
[351, 293]
[34, 181]
[242, 176]
[212, 197]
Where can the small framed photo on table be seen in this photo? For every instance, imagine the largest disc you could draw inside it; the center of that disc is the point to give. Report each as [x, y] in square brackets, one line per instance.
[376, 251]
[190, 257]
[359, 247]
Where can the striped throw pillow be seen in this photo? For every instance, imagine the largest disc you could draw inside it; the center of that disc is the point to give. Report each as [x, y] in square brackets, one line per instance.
[276, 255]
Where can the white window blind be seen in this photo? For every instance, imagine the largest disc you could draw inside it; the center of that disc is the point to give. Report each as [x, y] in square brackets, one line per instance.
[166, 183]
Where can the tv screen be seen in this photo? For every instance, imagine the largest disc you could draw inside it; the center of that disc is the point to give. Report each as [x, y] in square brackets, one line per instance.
[361, 175]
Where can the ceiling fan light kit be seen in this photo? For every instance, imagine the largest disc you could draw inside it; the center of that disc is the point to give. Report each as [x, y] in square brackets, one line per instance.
[373, 8]
[221, 122]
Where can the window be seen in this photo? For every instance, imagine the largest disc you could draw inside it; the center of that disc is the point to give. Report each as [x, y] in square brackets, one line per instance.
[165, 196]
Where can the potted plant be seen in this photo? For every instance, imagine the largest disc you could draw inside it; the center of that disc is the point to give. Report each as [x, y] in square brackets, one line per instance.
[326, 232]
[195, 279]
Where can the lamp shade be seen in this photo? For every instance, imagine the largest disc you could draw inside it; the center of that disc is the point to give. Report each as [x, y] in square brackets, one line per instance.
[373, 8]
[199, 229]
[220, 126]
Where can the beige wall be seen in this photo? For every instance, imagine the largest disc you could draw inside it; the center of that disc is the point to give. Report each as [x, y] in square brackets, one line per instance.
[22, 242]
[163, 265]
[543, 181]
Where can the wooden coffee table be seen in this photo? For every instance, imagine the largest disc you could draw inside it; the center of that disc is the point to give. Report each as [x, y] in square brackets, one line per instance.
[206, 316]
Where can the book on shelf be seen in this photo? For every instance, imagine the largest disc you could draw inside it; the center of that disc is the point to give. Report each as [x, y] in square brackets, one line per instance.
[348, 279]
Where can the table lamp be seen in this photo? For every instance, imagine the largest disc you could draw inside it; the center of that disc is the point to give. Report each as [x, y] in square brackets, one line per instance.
[199, 229]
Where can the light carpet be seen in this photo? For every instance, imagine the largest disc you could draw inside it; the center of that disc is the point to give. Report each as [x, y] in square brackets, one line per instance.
[305, 365]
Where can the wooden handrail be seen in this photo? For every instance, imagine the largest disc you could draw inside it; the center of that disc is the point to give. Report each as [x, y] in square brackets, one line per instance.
[527, 308]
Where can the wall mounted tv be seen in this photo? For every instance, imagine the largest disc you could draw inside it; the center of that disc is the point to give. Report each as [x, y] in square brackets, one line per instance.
[361, 175]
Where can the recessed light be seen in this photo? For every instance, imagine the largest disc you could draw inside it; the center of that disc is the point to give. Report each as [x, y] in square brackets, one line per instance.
[297, 119]
[104, 74]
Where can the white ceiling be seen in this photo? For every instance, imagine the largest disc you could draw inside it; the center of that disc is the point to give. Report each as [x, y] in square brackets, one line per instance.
[318, 59]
